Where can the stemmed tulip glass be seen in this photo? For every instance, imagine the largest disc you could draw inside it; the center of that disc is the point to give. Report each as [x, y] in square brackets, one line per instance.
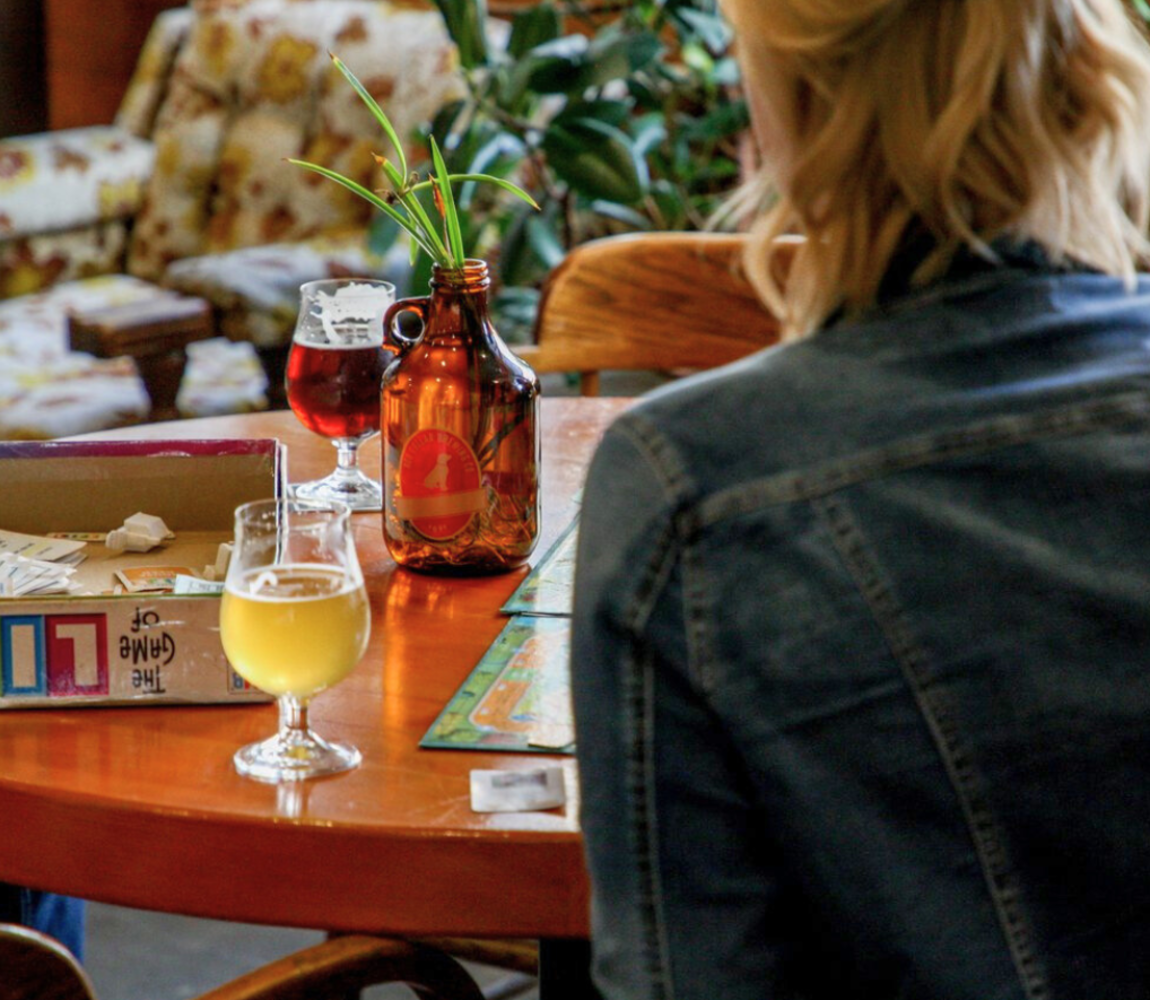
[294, 620]
[334, 368]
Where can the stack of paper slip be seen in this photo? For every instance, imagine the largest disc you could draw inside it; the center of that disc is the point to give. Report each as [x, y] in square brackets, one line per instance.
[35, 564]
[21, 576]
[53, 548]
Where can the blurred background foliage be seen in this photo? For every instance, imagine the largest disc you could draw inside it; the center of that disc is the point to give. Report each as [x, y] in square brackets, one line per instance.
[616, 116]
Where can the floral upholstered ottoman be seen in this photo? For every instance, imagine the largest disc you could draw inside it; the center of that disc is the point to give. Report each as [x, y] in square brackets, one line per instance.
[48, 391]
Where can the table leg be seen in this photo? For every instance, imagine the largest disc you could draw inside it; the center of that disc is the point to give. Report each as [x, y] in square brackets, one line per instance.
[273, 360]
[155, 333]
[565, 970]
[161, 375]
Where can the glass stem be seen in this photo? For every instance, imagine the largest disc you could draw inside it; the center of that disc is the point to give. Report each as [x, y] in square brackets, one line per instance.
[347, 456]
[293, 720]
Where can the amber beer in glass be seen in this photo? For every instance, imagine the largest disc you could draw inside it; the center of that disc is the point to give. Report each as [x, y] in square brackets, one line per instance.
[460, 430]
[333, 375]
[334, 390]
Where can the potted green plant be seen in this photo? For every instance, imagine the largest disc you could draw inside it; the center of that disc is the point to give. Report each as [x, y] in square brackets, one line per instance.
[613, 116]
[459, 413]
[400, 202]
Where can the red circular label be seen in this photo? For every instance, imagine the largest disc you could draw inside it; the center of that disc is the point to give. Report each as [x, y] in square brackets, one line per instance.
[439, 484]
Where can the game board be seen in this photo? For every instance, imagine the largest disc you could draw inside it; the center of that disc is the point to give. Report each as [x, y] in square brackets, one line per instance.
[518, 697]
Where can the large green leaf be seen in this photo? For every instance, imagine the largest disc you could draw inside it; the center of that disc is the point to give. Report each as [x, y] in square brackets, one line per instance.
[649, 131]
[466, 22]
[519, 263]
[499, 155]
[642, 49]
[448, 119]
[573, 65]
[669, 201]
[544, 239]
[726, 72]
[612, 112]
[515, 310]
[557, 67]
[711, 29]
[722, 121]
[533, 27]
[620, 213]
[595, 159]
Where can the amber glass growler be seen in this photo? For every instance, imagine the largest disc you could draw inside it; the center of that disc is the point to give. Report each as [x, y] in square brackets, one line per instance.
[460, 429]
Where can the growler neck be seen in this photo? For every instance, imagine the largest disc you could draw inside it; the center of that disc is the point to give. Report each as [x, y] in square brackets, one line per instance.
[473, 278]
[457, 308]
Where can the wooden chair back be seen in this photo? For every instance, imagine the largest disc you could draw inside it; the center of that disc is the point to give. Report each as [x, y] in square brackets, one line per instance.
[658, 301]
[35, 967]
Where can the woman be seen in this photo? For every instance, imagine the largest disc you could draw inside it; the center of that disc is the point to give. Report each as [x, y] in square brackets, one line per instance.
[861, 623]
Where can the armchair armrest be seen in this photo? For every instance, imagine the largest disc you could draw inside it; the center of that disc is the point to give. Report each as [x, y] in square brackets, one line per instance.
[71, 179]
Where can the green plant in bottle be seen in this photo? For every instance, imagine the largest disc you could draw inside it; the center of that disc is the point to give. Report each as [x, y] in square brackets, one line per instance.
[400, 202]
[459, 412]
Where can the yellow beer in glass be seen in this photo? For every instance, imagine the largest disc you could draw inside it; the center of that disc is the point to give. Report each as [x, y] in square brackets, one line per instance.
[295, 629]
[294, 620]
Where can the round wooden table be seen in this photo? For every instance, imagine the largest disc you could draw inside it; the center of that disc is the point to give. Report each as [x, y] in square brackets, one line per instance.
[142, 807]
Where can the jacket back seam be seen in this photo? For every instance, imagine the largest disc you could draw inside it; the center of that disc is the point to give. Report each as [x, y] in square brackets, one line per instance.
[913, 660]
[920, 450]
[642, 820]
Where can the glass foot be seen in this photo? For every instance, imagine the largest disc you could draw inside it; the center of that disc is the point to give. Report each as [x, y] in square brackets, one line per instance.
[294, 757]
[357, 491]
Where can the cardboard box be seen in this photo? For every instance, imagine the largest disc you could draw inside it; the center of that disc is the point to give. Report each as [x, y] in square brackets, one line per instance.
[128, 649]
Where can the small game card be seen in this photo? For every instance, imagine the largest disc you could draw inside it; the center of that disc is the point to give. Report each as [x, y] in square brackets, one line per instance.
[79, 536]
[517, 791]
[194, 585]
[138, 579]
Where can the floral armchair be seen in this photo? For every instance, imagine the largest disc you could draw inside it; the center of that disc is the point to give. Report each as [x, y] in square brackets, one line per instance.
[187, 193]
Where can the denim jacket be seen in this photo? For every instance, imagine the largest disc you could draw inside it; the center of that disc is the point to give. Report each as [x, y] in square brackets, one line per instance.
[861, 658]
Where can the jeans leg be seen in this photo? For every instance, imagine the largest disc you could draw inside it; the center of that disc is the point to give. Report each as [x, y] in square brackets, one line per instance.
[60, 917]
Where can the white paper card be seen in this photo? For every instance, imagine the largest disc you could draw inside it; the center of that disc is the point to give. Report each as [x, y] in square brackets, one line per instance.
[517, 791]
[194, 585]
[37, 546]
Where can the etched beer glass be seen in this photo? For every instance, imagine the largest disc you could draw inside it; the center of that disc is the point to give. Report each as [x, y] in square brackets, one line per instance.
[294, 620]
[333, 376]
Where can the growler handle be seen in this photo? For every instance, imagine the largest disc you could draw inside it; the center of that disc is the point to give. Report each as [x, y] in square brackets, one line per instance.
[392, 336]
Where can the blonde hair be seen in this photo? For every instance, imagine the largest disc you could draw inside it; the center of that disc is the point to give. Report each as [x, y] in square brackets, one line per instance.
[970, 119]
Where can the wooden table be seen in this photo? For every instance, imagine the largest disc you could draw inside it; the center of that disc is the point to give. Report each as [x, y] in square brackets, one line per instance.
[141, 806]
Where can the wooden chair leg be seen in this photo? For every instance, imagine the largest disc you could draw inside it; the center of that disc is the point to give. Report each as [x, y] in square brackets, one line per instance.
[565, 970]
[520, 957]
[342, 966]
[504, 953]
[589, 384]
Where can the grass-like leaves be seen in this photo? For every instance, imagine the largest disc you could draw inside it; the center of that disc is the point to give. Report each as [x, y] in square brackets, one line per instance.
[401, 202]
